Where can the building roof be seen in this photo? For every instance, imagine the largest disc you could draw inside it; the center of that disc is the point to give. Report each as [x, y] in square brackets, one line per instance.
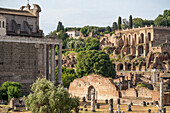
[15, 12]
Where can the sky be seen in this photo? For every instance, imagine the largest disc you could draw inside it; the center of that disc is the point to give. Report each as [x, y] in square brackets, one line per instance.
[79, 13]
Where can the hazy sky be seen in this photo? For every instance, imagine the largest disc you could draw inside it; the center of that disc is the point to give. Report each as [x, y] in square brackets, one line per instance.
[78, 13]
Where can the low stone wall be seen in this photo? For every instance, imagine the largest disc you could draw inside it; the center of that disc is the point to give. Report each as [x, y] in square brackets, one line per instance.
[135, 101]
[144, 92]
[128, 93]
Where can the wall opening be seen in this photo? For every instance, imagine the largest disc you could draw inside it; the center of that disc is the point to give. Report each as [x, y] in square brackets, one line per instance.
[89, 92]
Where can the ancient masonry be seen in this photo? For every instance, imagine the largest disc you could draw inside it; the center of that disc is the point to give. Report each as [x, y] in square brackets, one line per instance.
[24, 52]
[141, 58]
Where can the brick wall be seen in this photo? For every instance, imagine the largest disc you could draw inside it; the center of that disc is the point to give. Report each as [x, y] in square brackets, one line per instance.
[20, 62]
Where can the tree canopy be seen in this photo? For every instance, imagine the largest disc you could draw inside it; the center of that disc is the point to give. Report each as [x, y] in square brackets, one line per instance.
[9, 90]
[68, 75]
[92, 43]
[46, 98]
[94, 61]
[64, 37]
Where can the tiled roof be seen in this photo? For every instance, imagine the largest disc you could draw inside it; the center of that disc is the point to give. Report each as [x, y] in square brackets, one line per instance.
[15, 12]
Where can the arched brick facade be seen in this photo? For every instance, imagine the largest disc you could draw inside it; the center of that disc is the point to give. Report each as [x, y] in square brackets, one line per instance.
[104, 88]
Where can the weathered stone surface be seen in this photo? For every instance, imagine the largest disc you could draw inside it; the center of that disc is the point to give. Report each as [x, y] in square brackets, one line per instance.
[104, 88]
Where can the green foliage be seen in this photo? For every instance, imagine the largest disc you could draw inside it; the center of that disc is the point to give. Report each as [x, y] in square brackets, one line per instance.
[160, 21]
[138, 22]
[68, 75]
[119, 23]
[72, 28]
[114, 27]
[85, 31]
[64, 37]
[60, 27]
[92, 44]
[108, 28]
[9, 90]
[94, 61]
[3, 93]
[13, 91]
[141, 59]
[130, 21]
[140, 84]
[46, 98]
[148, 22]
[75, 44]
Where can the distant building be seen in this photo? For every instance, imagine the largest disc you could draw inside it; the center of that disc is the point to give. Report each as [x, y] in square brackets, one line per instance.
[73, 34]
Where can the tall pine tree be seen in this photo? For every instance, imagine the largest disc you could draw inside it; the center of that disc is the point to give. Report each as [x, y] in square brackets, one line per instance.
[119, 23]
[130, 21]
[114, 27]
[60, 27]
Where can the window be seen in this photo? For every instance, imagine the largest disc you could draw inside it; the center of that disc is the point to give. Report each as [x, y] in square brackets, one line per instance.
[3, 24]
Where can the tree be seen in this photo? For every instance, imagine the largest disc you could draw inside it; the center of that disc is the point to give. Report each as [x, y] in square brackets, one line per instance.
[119, 23]
[130, 21]
[85, 31]
[64, 37]
[13, 91]
[75, 44]
[9, 90]
[60, 27]
[68, 75]
[94, 61]
[46, 98]
[92, 43]
[166, 13]
[138, 22]
[148, 22]
[108, 28]
[160, 21]
[114, 27]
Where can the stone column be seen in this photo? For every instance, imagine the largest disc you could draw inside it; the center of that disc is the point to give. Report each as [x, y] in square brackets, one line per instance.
[60, 64]
[124, 67]
[53, 74]
[111, 106]
[137, 52]
[93, 100]
[45, 60]
[144, 50]
[161, 94]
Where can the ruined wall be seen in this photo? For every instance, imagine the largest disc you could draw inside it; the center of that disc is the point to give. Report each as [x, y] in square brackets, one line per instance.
[128, 93]
[161, 35]
[104, 88]
[20, 62]
[144, 92]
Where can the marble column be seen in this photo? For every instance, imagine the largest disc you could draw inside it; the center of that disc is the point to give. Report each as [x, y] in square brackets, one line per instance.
[60, 64]
[53, 74]
[161, 94]
[93, 100]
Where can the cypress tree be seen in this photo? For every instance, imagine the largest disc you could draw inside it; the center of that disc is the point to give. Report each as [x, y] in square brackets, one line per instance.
[60, 26]
[130, 21]
[114, 27]
[119, 23]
